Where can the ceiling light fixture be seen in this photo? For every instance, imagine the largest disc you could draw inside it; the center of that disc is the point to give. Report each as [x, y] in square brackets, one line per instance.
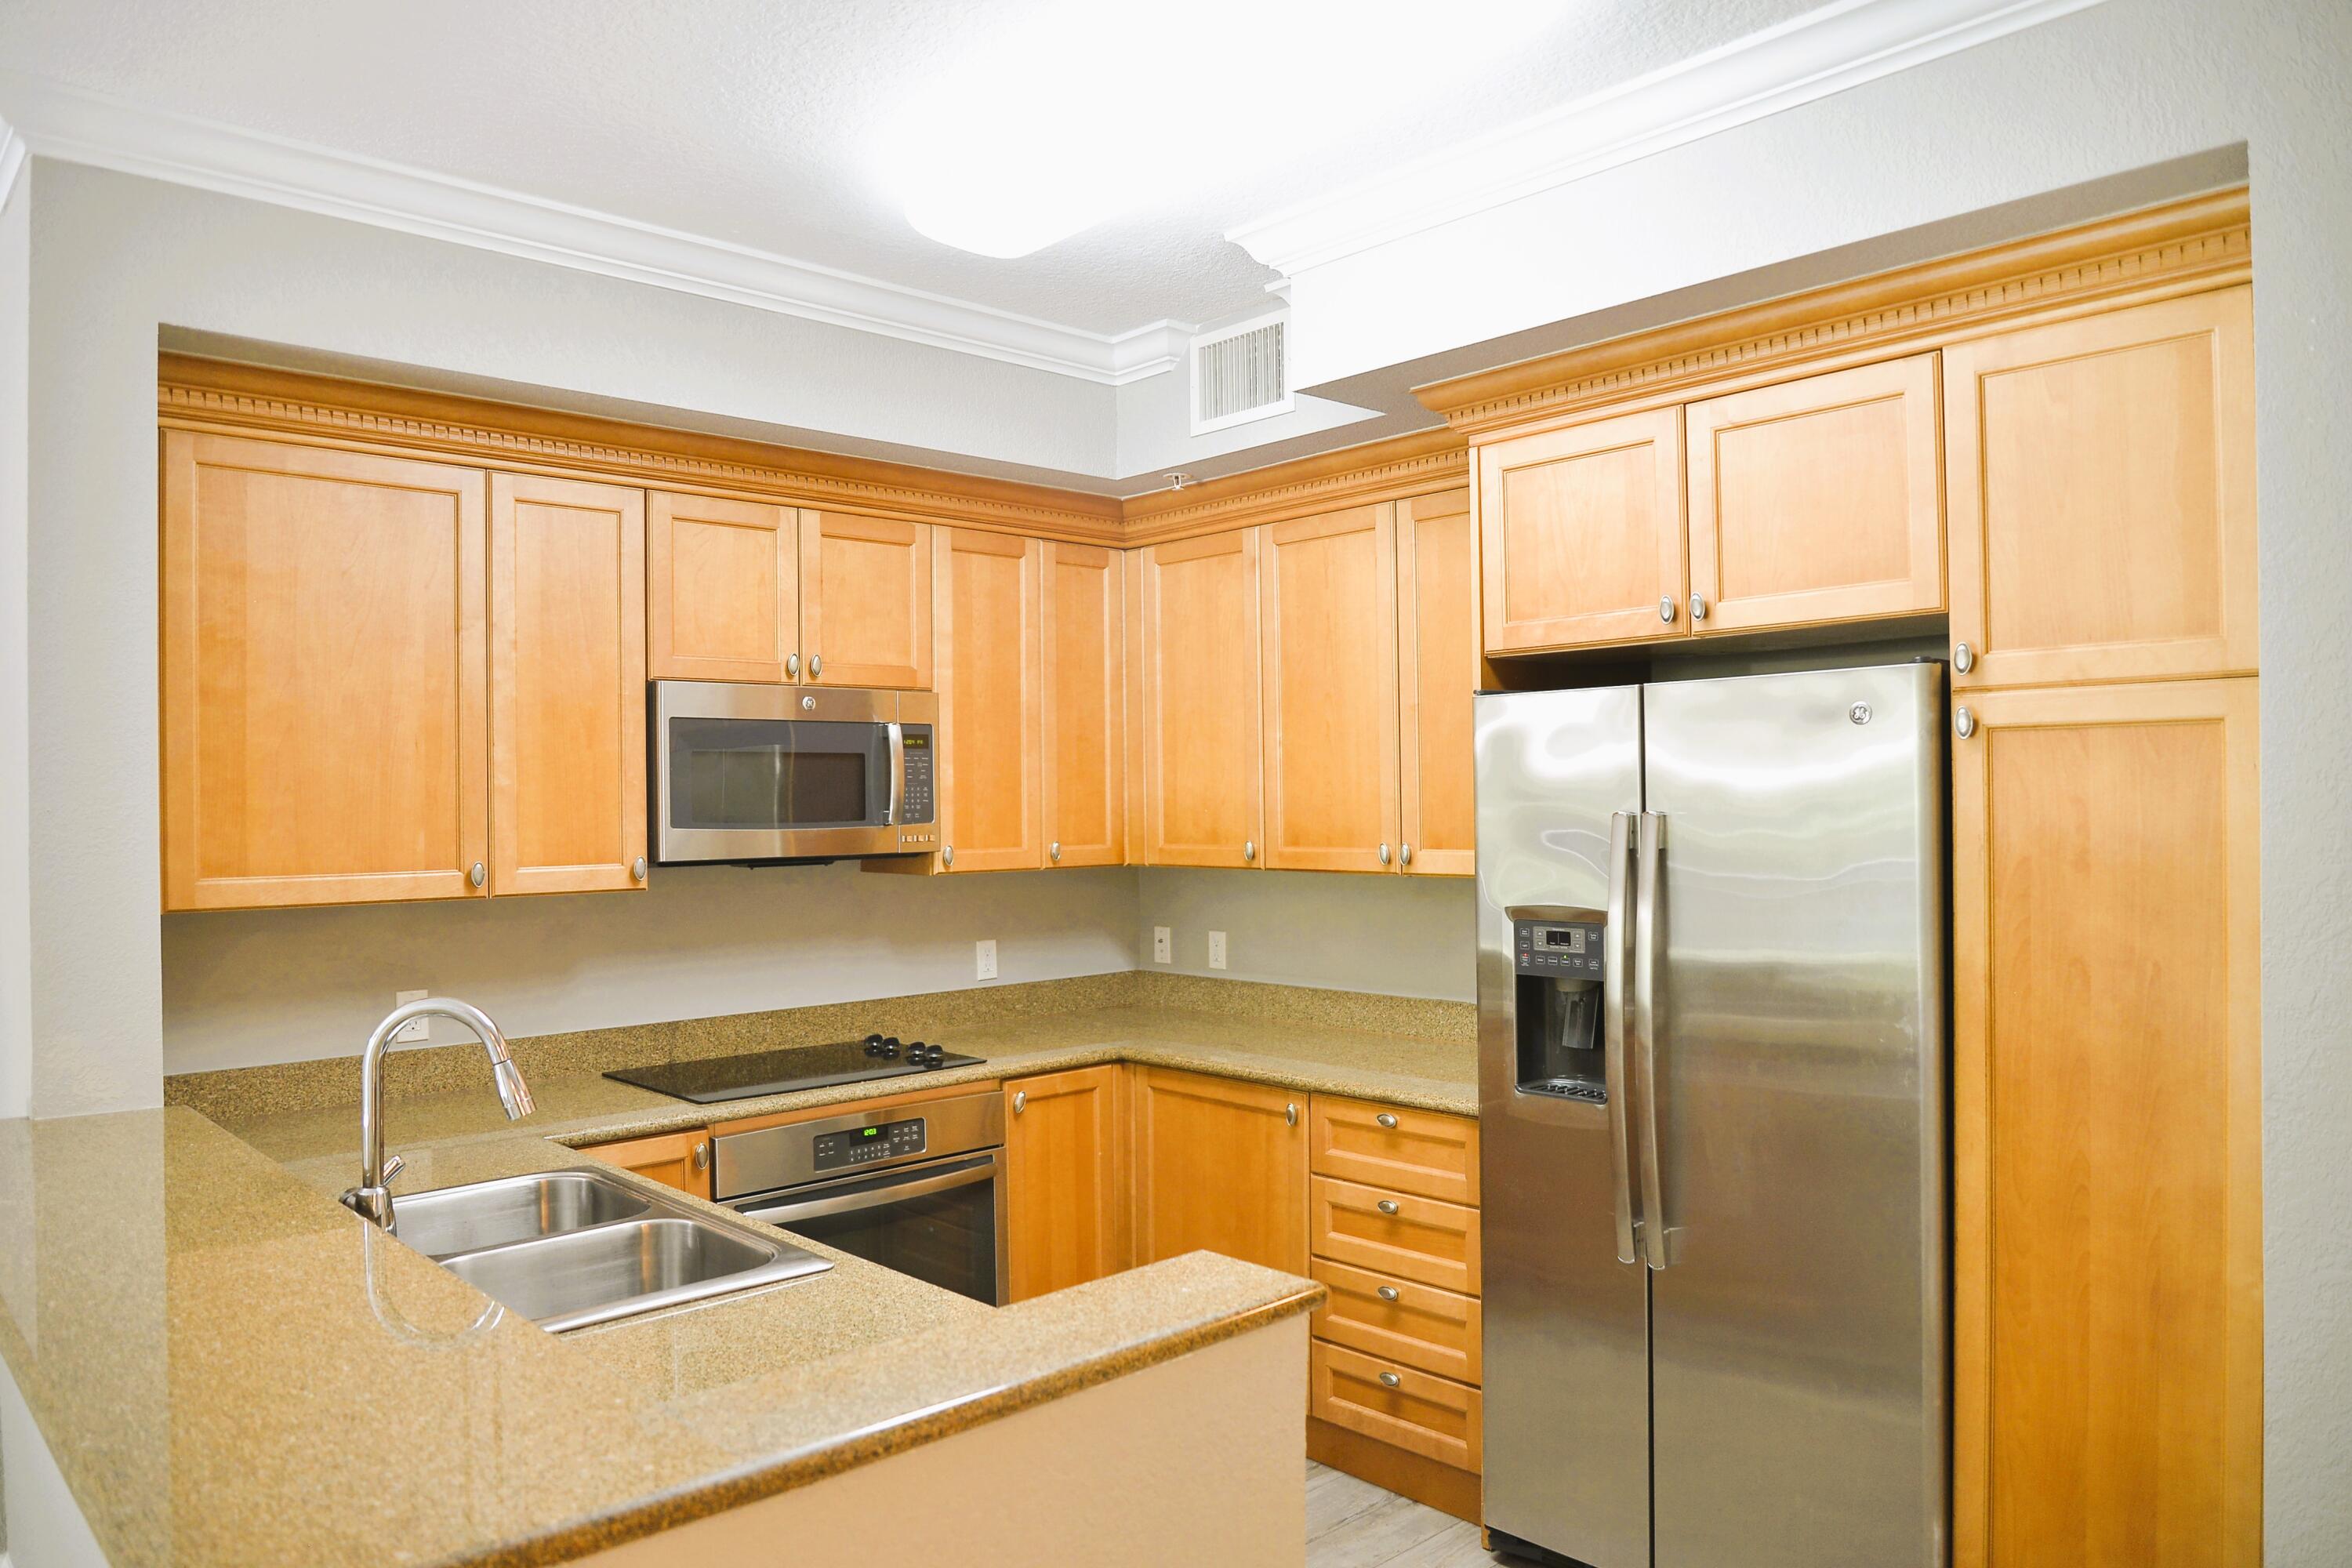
[1038, 135]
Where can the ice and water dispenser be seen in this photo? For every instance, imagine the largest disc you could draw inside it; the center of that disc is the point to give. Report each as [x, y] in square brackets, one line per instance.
[1557, 957]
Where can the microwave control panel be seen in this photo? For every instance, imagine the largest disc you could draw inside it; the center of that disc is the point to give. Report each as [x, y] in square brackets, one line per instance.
[858, 1146]
[916, 801]
[1570, 950]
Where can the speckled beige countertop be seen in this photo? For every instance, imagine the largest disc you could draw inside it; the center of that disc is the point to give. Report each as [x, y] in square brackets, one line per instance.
[231, 1368]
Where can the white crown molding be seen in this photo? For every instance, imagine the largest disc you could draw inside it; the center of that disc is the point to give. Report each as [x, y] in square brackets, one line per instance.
[1824, 51]
[58, 121]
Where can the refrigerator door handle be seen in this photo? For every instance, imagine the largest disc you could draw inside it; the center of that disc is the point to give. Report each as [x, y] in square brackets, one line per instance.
[1651, 837]
[1617, 996]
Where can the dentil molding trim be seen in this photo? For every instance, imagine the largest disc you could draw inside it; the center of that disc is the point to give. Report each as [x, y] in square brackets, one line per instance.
[58, 121]
[1842, 44]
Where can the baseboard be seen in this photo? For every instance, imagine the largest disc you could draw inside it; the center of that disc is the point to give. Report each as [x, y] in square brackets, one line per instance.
[1441, 1487]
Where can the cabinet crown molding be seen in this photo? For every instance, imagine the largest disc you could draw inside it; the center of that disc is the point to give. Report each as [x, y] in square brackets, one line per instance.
[2201, 242]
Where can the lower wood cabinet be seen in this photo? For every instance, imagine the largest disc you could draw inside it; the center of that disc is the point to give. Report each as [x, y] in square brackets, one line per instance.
[1220, 1165]
[1393, 1319]
[681, 1160]
[1434, 1418]
[2107, 1344]
[1066, 1201]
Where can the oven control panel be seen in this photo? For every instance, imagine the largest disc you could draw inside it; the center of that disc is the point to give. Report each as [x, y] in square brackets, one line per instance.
[857, 1146]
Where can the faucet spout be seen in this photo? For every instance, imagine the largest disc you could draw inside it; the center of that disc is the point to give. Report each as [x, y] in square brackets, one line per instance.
[372, 1199]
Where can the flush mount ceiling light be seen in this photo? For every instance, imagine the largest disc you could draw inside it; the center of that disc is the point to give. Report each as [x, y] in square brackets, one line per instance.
[1077, 110]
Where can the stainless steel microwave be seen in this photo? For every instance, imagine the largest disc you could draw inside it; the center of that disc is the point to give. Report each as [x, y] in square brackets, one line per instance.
[791, 773]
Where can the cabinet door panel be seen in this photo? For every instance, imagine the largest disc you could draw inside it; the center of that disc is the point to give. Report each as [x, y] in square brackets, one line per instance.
[2107, 1205]
[1202, 744]
[322, 675]
[1818, 501]
[987, 623]
[1581, 535]
[2102, 475]
[1328, 630]
[1086, 707]
[722, 600]
[1065, 1179]
[1220, 1164]
[865, 600]
[680, 1160]
[1437, 671]
[567, 685]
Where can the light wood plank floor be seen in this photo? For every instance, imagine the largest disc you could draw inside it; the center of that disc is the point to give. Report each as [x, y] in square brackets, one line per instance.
[1355, 1524]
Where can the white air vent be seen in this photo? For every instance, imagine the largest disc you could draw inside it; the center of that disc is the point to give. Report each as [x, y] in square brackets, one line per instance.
[1239, 374]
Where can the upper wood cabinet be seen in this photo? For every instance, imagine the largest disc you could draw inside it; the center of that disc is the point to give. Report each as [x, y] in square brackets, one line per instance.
[1066, 1201]
[722, 589]
[2108, 1356]
[988, 623]
[322, 675]
[1330, 673]
[1221, 1165]
[2103, 495]
[1437, 672]
[1817, 500]
[1581, 535]
[1086, 707]
[567, 686]
[865, 600]
[1199, 698]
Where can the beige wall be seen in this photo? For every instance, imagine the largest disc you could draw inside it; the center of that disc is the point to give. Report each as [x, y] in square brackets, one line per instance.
[1398, 936]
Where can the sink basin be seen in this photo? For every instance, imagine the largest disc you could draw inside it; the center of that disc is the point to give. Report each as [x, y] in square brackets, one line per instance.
[568, 1249]
[518, 1208]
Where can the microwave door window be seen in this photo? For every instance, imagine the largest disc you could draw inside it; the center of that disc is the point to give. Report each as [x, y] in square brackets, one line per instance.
[763, 774]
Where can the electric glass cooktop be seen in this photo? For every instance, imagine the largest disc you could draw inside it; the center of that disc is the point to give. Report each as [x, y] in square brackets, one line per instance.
[798, 1066]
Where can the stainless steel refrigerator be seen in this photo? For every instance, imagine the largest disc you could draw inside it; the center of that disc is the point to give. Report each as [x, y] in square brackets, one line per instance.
[1711, 1037]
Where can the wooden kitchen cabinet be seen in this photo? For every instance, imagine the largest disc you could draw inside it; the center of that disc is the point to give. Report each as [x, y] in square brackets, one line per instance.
[680, 1160]
[1221, 1165]
[1329, 666]
[1066, 1201]
[1818, 501]
[322, 671]
[567, 685]
[1437, 673]
[2107, 1365]
[1200, 697]
[865, 600]
[722, 589]
[2102, 486]
[988, 622]
[1085, 742]
[1581, 535]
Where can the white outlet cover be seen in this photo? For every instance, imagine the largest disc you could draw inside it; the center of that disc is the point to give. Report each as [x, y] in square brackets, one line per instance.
[984, 954]
[1163, 948]
[1216, 950]
[415, 1029]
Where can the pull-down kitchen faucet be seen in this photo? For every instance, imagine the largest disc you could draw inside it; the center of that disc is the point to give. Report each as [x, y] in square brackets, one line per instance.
[372, 1199]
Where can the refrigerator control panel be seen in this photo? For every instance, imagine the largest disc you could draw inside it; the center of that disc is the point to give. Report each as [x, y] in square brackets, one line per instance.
[1568, 949]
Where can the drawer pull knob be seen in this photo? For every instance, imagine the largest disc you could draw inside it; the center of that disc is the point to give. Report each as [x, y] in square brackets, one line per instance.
[1388, 1292]
[1385, 1119]
[1388, 1206]
[1020, 1101]
[1290, 1114]
[1390, 1379]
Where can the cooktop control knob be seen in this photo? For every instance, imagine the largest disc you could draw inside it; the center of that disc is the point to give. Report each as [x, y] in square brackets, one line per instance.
[873, 1044]
[924, 1055]
[889, 1045]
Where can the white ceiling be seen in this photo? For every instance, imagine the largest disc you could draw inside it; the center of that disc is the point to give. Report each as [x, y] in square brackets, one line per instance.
[757, 124]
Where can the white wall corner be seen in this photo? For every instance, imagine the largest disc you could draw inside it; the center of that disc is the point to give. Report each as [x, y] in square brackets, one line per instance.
[12, 163]
[1821, 52]
[60, 121]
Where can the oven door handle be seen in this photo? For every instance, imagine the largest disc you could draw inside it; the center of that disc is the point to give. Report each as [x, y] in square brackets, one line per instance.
[914, 1184]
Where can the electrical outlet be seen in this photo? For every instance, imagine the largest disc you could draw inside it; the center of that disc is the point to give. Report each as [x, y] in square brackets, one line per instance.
[415, 1029]
[983, 958]
[1163, 949]
[1216, 950]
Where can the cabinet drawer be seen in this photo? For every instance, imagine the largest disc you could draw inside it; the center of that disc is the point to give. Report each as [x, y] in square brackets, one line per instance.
[1397, 1320]
[1394, 1233]
[1435, 1418]
[1419, 1152]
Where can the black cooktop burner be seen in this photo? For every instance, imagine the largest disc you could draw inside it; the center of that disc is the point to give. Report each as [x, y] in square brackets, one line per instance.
[800, 1066]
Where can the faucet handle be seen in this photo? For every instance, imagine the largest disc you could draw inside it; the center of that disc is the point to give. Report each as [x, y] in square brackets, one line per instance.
[392, 1167]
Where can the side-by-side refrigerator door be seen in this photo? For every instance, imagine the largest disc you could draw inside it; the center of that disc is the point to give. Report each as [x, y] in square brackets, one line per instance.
[1798, 1024]
[1565, 1302]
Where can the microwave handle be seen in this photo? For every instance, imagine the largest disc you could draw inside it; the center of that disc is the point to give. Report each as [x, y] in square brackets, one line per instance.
[915, 1185]
[897, 773]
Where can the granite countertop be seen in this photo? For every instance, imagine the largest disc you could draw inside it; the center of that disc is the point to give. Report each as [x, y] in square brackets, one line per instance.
[231, 1368]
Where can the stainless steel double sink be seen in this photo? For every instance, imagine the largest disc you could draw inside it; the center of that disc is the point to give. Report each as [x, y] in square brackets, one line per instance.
[568, 1249]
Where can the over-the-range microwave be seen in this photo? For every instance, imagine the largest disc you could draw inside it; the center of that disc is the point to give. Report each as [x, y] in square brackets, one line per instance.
[746, 773]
